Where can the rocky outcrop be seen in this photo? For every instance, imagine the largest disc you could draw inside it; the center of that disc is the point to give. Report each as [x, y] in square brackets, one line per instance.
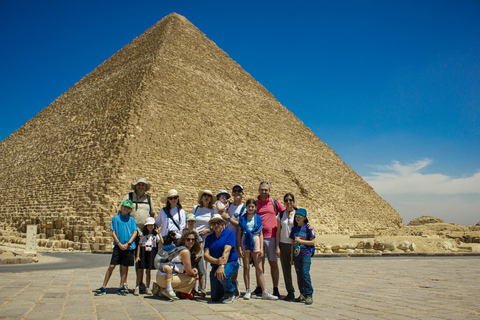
[424, 220]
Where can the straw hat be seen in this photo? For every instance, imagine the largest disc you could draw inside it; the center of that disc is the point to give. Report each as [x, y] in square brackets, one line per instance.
[201, 193]
[141, 180]
[215, 217]
[173, 193]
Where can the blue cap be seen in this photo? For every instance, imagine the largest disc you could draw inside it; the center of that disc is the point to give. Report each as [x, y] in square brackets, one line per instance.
[301, 212]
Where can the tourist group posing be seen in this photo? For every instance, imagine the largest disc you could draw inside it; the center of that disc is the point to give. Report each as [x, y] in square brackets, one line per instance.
[218, 232]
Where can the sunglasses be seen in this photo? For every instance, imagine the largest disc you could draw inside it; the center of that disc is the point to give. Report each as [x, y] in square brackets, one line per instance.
[237, 190]
[299, 216]
[207, 195]
[214, 223]
[289, 200]
[173, 198]
[190, 239]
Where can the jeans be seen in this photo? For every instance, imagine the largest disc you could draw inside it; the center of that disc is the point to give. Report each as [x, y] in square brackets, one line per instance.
[302, 267]
[220, 288]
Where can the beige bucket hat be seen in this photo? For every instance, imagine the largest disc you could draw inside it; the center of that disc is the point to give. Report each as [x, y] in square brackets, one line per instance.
[141, 180]
[173, 193]
[206, 191]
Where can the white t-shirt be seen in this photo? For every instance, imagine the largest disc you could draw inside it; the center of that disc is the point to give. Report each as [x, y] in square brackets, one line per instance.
[287, 225]
[215, 209]
[203, 215]
[235, 212]
[167, 224]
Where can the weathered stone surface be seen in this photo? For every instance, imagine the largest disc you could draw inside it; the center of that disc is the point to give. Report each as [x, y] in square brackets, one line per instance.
[161, 108]
[424, 220]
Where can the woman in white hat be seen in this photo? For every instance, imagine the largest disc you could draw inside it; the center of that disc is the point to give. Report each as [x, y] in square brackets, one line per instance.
[203, 213]
[172, 216]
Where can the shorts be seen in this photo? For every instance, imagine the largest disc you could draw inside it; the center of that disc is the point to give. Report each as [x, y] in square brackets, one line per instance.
[257, 244]
[270, 249]
[125, 258]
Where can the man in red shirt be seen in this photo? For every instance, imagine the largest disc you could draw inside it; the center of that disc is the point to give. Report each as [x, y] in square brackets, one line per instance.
[266, 210]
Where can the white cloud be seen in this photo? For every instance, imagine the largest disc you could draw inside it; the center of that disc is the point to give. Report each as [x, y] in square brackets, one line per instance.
[414, 194]
[401, 179]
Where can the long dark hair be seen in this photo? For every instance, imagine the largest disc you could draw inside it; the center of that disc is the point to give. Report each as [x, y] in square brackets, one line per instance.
[167, 207]
[145, 230]
[196, 246]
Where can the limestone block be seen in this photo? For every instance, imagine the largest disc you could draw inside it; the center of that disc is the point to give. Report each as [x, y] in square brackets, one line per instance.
[403, 245]
[379, 246]
[361, 245]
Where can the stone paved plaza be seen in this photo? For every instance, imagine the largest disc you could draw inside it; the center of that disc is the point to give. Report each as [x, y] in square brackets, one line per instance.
[345, 288]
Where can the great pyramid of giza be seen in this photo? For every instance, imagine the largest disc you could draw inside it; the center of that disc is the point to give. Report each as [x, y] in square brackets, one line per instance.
[173, 107]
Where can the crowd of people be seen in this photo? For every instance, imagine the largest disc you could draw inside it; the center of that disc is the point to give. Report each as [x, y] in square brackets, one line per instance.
[217, 231]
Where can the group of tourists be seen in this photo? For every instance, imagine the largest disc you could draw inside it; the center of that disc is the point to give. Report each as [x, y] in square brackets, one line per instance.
[217, 231]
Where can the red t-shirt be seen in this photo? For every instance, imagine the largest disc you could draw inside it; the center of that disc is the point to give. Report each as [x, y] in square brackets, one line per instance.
[266, 211]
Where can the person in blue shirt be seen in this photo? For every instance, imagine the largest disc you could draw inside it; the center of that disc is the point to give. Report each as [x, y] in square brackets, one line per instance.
[220, 252]
[303, 247]
[124, 233]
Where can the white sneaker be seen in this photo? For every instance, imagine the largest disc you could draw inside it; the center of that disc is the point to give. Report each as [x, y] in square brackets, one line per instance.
[170, 295]
[247, 295]
[266, 295]
[136, 291]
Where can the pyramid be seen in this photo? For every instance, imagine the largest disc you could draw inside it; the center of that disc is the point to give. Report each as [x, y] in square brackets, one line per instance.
[174, 108]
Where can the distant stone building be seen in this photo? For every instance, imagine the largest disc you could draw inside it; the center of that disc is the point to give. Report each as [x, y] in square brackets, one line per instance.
[172, 107]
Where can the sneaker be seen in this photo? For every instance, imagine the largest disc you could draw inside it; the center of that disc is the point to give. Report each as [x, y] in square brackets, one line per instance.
[202, 293]
[268, 296]
[247, 295]
[276, 292]
[122, 291]
[300, 298]
[100, 291]
[125, 286]
[258, 291]
[309, 300]
[228, 298]
[236, 293]
[148, 291]
[156, 289]
[289, 297]
[136, 291]
[169, 294]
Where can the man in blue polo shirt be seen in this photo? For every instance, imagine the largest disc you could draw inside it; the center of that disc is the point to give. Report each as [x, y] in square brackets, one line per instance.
[220, 252]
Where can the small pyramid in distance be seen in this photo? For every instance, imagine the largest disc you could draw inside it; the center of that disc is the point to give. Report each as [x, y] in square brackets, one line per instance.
[174, 108]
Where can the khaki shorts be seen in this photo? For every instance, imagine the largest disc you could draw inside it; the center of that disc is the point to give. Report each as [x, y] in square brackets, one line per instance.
[270, 248]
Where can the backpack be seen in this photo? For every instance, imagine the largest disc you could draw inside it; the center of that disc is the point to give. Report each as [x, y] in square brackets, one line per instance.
[165, 252]
[312, 249]
[274, 201]
[130, 197]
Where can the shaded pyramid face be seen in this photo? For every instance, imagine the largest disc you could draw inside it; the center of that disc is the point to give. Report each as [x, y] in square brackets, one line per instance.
[172, 107]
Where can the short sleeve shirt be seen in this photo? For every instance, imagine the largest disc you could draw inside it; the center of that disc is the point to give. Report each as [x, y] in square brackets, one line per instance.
[124, 226]
[217, 245]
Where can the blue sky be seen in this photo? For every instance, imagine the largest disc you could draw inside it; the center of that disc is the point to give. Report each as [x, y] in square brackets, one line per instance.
[392, 86]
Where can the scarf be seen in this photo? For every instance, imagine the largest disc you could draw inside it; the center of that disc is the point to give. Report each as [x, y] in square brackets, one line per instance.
[248, 240]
